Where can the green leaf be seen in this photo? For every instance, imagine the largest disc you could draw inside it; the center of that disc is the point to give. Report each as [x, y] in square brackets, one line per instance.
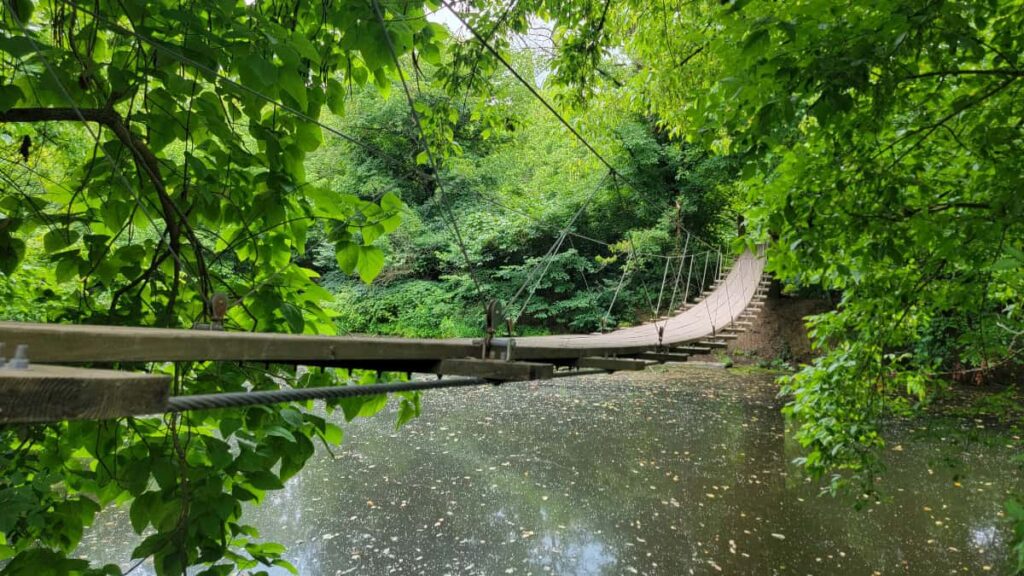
[756, 43]
[408, 409]
[293, 315]
[58, 239]
[9, 97]
[348, 255]
[256, 72]
[282, 563]
[335, 97]
[363, 406]
[165, 472]
[333, 434]
[12, 250]
[280, 432]
[309, 136]
[263, 480]
[143, 510]
[294, 86]
[371, 262]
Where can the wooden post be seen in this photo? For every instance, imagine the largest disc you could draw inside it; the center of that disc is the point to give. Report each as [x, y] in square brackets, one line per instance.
[494, 369]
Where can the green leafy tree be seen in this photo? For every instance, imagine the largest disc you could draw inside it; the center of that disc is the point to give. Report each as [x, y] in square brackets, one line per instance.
[154, 154]
[883, 144]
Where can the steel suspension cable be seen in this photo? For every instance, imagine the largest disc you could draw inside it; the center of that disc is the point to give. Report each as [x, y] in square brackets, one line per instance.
[540, 222]
[661, 292]
[549, 255]
[537, 95]
[632, 245]
[427, 148]
[689, 274]
[264, 397]
[679, 274]
[615, 296]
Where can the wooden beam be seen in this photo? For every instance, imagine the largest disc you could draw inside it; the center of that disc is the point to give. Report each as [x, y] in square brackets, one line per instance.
[661, 357]
[72, 344]
[69, 343]
[494, 369]
[714, 344]
[614, 364]
[42, 393]
[693, 349]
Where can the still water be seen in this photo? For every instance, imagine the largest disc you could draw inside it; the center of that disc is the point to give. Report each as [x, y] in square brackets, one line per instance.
[680, 470]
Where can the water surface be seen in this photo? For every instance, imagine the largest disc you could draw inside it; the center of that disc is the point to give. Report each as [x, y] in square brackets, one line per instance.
[679, 470]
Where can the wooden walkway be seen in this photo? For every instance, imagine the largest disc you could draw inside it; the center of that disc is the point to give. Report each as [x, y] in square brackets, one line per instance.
[700, 326]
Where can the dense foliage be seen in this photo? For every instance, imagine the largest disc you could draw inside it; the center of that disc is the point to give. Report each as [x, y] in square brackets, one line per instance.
[154, 153]
[513, 190]
[883, 144]
[157, 152]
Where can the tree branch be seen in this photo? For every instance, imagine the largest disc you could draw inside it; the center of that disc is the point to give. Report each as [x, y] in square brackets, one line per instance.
[144, 158]
[1013, 73]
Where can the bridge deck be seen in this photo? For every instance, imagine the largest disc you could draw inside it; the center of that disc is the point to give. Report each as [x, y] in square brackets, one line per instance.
[71, 344]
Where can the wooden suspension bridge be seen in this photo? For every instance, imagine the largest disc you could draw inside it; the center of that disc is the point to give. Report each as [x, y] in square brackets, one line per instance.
[52, 388]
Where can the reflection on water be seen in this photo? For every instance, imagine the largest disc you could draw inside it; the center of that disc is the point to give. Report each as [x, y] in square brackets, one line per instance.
[674, 471]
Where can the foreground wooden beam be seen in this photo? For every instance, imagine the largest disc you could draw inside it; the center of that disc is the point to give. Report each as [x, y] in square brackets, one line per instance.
[494, 369]
[613, 364]
[42, 393]
[70, 343]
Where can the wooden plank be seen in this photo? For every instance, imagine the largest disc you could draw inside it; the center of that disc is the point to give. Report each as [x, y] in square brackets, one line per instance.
[494, 369]
[68, 344]
[42, 393]
[614, 364]
[661, 357]
[714, 344]
[693, 349]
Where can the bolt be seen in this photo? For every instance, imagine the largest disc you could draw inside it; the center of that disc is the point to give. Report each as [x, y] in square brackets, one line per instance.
[20, 360]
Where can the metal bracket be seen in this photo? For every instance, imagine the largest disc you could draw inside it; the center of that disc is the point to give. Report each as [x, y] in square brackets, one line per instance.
[218, 309]
[492, 319]
[505, 347]
[20, 359]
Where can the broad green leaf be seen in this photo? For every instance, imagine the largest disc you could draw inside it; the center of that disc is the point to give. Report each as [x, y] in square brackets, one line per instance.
[348, 256]
[371, 262]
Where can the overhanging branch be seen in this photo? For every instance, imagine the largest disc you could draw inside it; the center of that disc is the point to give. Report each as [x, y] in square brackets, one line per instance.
[144, 159]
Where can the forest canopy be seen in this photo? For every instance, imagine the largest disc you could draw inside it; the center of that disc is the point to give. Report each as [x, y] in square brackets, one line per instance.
[288, 154]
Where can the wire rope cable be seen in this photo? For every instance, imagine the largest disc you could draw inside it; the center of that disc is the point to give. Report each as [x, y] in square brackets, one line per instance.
[264, 397]
[431, 157]
[537, 95]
